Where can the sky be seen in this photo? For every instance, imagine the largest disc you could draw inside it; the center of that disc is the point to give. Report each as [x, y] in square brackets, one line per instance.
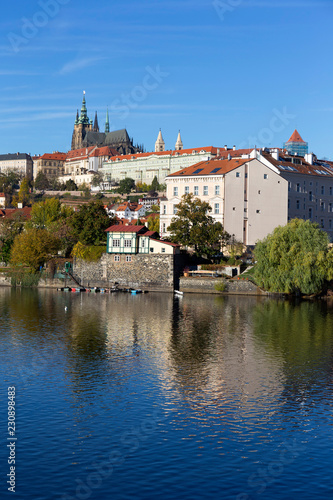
[223, 72]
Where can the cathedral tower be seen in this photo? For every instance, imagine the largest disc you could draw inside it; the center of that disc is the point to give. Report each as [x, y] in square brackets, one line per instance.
[82, 125]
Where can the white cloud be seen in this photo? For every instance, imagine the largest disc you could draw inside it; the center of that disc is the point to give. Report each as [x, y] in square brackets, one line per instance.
[78, 64]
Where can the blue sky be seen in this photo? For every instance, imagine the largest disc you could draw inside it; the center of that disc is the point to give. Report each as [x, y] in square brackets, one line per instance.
[240, 72]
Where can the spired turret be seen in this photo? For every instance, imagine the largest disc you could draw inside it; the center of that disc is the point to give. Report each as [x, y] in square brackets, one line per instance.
[107, 122]
[179, 144]
[159, 144]
[96, 127]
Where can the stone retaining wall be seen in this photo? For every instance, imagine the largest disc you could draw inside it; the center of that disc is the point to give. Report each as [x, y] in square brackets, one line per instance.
[207, 285]
[149, 272]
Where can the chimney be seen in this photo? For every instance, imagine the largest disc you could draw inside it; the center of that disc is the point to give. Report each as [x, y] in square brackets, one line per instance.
[229, 157]
[234, 148]
[309, 158]
[275, 154]
[226, 148]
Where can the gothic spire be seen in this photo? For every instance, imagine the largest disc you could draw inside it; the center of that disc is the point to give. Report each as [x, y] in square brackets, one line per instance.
[77, 117]
[96, 127]
[84, 117]
[107, 122]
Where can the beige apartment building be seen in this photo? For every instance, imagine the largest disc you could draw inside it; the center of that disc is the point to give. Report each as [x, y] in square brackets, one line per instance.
[251, 194]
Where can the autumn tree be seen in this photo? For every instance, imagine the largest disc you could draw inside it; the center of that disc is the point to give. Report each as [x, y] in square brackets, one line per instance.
[48, 213]
[294, 258]
[33, 247]
[89, 223]
[23, 194]
[194, 227]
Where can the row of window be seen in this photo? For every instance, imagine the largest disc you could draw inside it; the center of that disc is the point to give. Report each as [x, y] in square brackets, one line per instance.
[196, 190]
[322, 205]
[300, 190]
[128, 258]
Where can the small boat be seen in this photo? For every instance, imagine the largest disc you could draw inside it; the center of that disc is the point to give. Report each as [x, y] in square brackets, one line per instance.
[134, 292]
[180, 294]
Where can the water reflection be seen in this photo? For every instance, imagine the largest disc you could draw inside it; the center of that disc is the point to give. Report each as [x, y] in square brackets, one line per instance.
[233, 378]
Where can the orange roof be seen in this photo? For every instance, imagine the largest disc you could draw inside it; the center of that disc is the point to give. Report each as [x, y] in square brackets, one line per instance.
[79, 153]
[210, 149]
[53, 156]
[211, 167]
[121, 228]
[104, 151]
[295, 137]
[10, 212]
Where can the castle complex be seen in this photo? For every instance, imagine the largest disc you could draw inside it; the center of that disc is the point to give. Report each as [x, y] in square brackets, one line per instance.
[86, 134]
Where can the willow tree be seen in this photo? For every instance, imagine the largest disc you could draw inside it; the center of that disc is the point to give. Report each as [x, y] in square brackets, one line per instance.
[194, 227]
[294, 258]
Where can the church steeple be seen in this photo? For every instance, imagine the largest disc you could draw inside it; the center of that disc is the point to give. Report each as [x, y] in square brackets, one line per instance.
[107, 122]
[179, 144]
[159, 144]
[82, 125]
[96, 127]
[84, 116]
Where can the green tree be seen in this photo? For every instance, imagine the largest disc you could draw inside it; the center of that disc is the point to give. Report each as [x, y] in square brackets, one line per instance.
[97, 180]
[126, 185]
[48, 214]
[41, 182]
[89, 223]
[193, 227]
[294, 258]
[154, 224]
[9, 181]
[70, 185]
[33, 247]
[9, 228]
[155, 185]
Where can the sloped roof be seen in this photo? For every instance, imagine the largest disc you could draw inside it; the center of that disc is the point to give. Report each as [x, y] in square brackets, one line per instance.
[79, 153]
[295, 137]
[117, 136]
[52, 156]
[210, 149]
[211, 167]
[285, 165]
[9, 213]
[121, 228]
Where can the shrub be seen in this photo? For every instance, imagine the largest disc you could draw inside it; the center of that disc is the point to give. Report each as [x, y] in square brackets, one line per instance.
[221, 286]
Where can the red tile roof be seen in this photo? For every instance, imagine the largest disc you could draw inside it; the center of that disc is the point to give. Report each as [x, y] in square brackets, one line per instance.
[211, 167]
[295, 137]
[79, 153]
[166, 242]
[52, 156]
[210, 149]
[9, 213]
[122, 228]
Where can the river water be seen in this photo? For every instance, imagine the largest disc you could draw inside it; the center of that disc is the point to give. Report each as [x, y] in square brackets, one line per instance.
[155, 397]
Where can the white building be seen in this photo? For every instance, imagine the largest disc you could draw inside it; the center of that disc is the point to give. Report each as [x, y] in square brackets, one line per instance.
[252, 194]
[143, 167]
[20, 163]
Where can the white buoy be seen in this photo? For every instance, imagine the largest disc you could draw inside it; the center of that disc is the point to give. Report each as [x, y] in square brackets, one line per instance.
[65, 308]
